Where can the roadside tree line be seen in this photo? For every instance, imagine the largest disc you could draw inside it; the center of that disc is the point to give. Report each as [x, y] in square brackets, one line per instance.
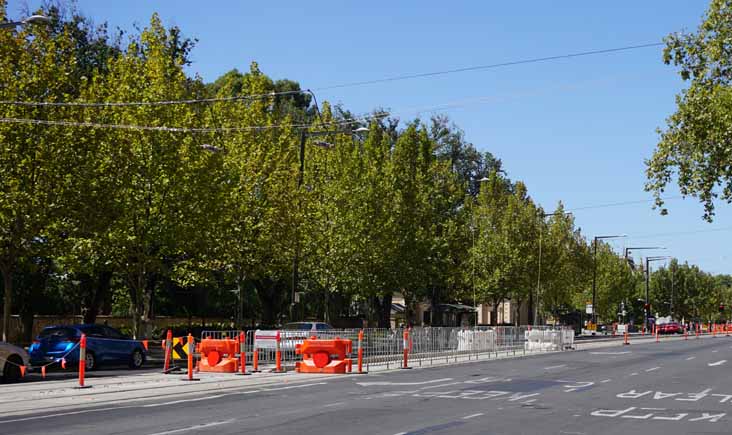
[107, 209]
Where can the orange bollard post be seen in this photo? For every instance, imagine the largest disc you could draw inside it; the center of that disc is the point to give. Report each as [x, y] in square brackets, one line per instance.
[144, 344]
[168, 350]
[43, 372]
[191, 348]
[278, 355]
[405, 344]
[255, 361]
[360, 351]
[243, 354]
[22, 371]
[82, 361]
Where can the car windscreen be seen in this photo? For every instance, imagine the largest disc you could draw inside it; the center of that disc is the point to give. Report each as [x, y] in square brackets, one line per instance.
[58, 333]
[299, 326]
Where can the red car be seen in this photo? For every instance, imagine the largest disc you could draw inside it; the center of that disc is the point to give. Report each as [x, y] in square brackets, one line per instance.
[669, 328]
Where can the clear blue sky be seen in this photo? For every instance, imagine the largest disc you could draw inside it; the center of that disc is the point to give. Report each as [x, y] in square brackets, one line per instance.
[576, 130]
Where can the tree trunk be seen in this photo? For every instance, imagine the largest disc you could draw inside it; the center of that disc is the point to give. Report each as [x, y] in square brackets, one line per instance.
[99, 289]
[494, 313]
[383, 308]
[26, 320]
[7, 300]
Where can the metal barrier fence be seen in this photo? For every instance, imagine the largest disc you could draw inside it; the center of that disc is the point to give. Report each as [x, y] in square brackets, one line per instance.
[383, 348]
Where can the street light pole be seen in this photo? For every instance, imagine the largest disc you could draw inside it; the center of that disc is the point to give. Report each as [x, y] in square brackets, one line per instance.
[33, 19]
[538, 274]
[594, 274]
[473, 228]
[304, 134]
[648, 280]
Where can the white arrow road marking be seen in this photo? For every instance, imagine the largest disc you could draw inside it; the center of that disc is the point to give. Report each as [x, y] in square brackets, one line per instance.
[718, 363]
[196, 427]
[367, 384]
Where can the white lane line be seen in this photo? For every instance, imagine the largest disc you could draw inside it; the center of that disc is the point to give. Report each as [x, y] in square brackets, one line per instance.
[605, 381]
[294, 386]
[176, 402]
[652, 369]
[366, 384]
[718, 363]
[401, 433]
[440, 385]
[610, 353]
[555, 367]
[468, 417]
[196, 427]
[690, 358]
[715, 351]
[634, 374]
[334, 404]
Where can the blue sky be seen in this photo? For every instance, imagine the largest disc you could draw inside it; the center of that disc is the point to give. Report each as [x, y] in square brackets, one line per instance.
[575, 130]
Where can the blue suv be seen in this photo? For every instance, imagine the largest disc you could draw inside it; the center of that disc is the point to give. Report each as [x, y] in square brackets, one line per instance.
[104, 345]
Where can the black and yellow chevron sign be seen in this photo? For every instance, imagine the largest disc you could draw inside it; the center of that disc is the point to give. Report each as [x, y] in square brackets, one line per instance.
[180, 348]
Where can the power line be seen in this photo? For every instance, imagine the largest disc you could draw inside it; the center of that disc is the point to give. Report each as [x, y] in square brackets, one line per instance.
[489, 66]
[337, 86]
[619, 204]
[681, 233]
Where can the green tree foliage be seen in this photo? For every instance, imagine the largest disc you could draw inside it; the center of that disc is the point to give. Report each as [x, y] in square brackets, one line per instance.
[144, 221]
[695, 145]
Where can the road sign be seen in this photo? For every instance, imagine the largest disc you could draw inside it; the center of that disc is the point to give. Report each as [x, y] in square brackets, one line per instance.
[179, 348]
[589, 309]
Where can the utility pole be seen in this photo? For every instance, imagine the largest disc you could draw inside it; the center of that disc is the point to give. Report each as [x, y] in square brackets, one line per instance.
[648, 280]
[594, 273]
[538, 274]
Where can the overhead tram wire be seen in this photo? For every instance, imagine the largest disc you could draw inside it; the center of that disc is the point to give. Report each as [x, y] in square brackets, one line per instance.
[331, 87]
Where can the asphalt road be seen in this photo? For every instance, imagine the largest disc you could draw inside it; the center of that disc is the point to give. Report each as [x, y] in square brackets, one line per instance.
[680, 387]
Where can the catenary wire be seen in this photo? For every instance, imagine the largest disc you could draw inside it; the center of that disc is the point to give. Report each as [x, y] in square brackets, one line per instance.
[337, 86]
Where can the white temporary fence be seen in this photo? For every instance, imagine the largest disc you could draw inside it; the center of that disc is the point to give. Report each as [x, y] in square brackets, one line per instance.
[384, 348]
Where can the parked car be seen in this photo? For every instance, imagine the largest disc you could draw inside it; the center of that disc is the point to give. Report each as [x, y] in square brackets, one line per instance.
[669, 328]
[11, 358]
[307, 326]
[104, 345]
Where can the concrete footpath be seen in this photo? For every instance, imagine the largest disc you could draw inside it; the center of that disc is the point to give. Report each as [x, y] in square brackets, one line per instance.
[130, 387]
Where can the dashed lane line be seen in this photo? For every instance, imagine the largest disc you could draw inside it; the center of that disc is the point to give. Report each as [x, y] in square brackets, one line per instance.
[197, 427]
[652, 369]
[468, 417]
[555, 367]
[634, 374]
[718, 363]
[605, 381]
[690, 358]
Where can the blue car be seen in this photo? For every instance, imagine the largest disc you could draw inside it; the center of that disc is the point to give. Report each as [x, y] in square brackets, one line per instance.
[104, 345]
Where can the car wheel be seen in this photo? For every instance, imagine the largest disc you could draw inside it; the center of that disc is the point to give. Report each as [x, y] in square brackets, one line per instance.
[11, 372]
[137, 359]
[90, 361]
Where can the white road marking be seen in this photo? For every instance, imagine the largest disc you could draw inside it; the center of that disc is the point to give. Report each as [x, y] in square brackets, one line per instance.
[196, 427]
[652, 369]
[610, 353]
[690, 358]
[175, 402]
[367, 384]
[294, 386]
[605, 381]
[555, 367]
[468, 417]
[401, 433]
[718, 363]
[529, 401]
[440, 385]
[715, 351]
[334, 404]
[634, 374]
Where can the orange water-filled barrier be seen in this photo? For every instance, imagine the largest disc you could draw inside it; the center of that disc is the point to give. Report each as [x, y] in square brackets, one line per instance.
[218, 356]
[324, 356]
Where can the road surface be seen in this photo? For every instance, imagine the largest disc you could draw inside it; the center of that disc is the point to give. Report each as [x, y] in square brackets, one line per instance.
[679, 387]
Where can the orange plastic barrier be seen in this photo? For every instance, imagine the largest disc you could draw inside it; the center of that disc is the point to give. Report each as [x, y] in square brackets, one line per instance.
[324, 356]
[218, 356]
